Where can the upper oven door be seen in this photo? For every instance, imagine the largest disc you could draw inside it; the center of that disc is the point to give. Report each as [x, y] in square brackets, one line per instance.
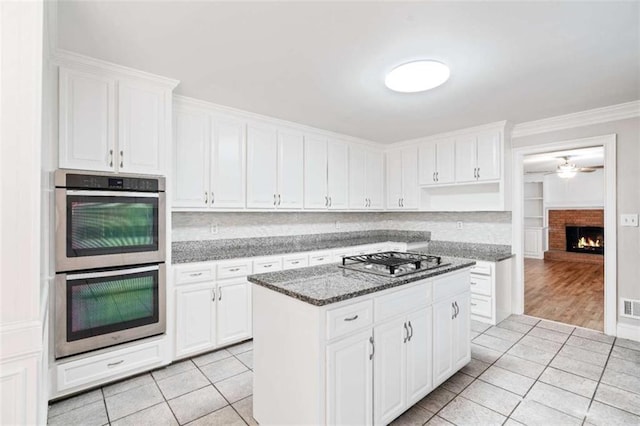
[96, 229]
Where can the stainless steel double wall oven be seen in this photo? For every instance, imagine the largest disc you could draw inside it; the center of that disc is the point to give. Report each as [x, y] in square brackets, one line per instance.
[110, 254]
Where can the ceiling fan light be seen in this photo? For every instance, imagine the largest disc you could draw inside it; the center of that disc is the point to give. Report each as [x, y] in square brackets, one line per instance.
[567, 171]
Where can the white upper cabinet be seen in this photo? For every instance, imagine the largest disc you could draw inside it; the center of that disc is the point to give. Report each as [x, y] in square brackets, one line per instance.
[337, 174]
[141, 124]
[228, 165]
[262, 166]
[366, 178]
[478, 157]
[437, 162]
[275, 168]
[87, 121]
[290, 170]
[402, 179]
[112, 120]
[315, 173]
[208, 160]
[191, 163]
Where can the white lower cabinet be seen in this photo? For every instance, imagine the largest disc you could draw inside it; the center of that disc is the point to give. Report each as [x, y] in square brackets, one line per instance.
[491, 291]
[350, 380]
[451, 344]
[233, 311]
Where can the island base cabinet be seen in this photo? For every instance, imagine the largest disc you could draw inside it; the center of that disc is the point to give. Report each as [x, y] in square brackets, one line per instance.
[350, 380]
[451, 345]
[419, 368]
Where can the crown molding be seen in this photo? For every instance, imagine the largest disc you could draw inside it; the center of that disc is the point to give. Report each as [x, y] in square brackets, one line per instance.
[578, 119]
[180, 101]
[498, 125]
[67, 58]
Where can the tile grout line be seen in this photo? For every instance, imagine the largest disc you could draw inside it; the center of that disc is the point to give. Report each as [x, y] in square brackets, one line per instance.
[599, 381]
[164, 397]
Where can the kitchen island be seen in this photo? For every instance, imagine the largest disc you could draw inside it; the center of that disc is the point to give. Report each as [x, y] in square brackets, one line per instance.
[336, 346]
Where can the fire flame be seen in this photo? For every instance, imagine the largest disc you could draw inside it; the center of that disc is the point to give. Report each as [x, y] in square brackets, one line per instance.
[588, 242]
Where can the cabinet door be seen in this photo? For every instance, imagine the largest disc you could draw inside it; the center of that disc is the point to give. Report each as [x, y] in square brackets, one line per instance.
[419, 360]
[461, 330]
[228, 165]
[410, 178]
[389, 370]
[262, 166]
[443, 313]
[337, 174]
[87, 121]
[374, 183]
[315, 173]
[233, 311]
[350, 381]
[488, 154]
[290, 170]
[195, 318]
[141, 128]
[190, 159]
[357, 167]
[466, 162]
[532, 242]
[394, 179]
[446, 161]
[427, 160]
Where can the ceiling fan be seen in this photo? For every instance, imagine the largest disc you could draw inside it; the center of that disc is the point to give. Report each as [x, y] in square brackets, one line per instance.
[568, 170]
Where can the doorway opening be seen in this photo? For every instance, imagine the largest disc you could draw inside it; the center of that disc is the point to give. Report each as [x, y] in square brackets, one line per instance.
[564, 232]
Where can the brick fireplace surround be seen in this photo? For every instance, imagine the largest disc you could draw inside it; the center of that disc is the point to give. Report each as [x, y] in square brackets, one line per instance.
[558, 219]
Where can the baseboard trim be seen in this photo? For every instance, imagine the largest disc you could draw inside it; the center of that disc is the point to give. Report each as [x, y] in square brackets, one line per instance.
[628, 331]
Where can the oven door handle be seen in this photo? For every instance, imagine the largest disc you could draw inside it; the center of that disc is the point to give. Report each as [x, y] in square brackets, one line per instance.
[84, 276]
[84, 192]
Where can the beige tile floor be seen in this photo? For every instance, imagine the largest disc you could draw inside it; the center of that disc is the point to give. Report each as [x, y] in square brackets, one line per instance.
[523, 371]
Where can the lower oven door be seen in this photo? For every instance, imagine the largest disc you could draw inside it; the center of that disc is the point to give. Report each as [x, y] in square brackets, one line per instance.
[98, 309]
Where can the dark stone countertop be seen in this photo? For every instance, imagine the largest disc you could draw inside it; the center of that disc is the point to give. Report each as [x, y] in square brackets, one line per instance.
[326, 284]
[210, 250]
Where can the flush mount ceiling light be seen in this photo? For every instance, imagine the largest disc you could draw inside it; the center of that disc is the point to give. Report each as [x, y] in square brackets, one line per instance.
[417, 76]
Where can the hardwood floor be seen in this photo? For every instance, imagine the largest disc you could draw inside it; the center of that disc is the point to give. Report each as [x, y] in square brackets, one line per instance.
[568, 292]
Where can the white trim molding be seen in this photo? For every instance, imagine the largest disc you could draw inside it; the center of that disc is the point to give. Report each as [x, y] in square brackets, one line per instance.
[578, 119]
[610, 211]
[67, 58]
[498, 125]
[628, 331]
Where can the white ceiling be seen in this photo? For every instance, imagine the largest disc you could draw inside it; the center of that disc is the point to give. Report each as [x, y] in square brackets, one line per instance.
[323, 63]
[548, 161]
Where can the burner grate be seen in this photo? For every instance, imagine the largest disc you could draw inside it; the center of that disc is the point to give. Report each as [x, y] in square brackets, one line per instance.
[393, 260]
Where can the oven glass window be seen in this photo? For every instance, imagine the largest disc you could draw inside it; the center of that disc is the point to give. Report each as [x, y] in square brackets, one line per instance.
[98, 306]
[106, 225]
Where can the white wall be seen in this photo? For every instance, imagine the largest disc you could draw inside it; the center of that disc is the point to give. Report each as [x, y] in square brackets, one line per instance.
[478, 227]
[581, 191]
[628, 193]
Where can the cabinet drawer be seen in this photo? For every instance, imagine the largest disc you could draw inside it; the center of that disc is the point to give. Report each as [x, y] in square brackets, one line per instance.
[107, 366]
[481, 305]
[293, 262]
[481, 284]
[233, 269]
[195, 273]
[402, 301]
[267, 264]
[481, 268]
[320, 258]
[343, 320]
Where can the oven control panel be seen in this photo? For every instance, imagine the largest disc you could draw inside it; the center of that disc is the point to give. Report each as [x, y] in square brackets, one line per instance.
[113, 183]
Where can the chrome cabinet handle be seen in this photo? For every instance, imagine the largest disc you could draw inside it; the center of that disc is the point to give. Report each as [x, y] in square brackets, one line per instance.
[373, 347]
[406, 333]
[453, 309]
[326, 201]
[110, 158]
[457, 309]
[353, 318]
[366, 202]
[474, 283]
[474, 304]
[410, 328]
[113, 364]
[213, 294]
[121, 158]
[206, 197]
[320, 258]
[275, 199]
[402, 202]
[219, 294]
[195, 274]
[279, 199]
[234, 269]
[295, 262]
[330, 202]
[437, 176]
[213, 200]
[268, 266]
[478, 173]
[434, 176]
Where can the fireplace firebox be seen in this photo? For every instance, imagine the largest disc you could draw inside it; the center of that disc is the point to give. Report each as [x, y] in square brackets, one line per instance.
[585, 239]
